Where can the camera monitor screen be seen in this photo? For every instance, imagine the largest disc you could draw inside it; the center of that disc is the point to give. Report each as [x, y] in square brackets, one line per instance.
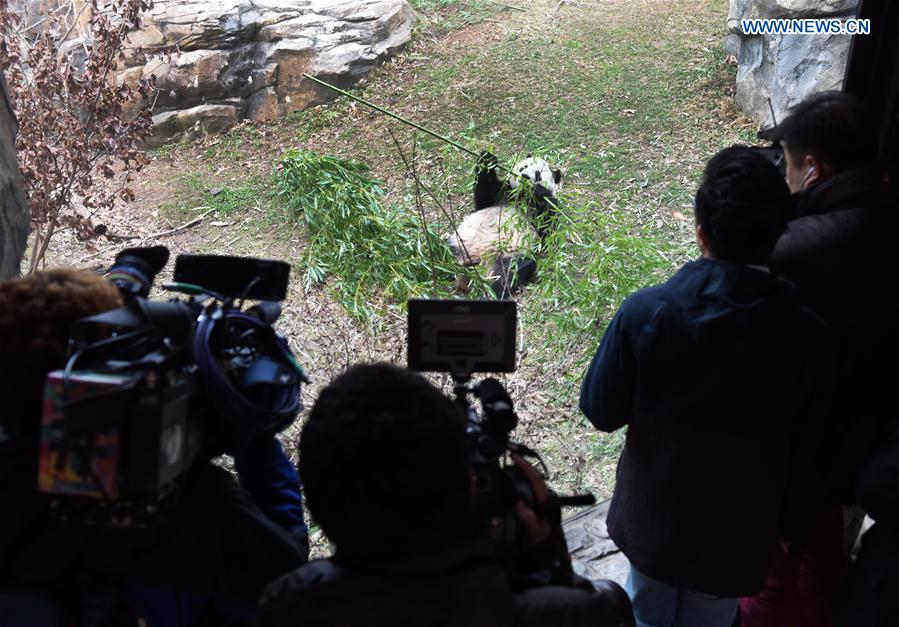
[462, 336]
[235, 277]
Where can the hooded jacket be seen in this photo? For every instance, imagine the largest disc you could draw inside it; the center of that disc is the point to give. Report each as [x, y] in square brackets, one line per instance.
[718, 374]
[838, 250]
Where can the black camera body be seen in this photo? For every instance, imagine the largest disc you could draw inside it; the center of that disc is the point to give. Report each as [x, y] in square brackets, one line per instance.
[154, 387]
[461, 337]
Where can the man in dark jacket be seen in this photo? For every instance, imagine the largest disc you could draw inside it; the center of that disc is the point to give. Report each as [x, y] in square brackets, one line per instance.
[385, 464]
[838, 250]
[716, 373]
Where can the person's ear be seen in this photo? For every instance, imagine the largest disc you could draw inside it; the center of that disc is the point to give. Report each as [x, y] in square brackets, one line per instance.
[815, 171]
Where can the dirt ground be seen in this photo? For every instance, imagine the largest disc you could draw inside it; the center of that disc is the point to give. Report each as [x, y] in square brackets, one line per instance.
[188, 217]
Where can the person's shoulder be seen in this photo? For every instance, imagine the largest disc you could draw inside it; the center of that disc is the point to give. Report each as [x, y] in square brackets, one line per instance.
[644, 302]
[651, 302]
[604, 604]
[811, 235]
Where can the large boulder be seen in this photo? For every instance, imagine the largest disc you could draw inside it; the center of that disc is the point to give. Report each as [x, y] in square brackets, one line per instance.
[250, 55]
[193, 122]
[783, 69]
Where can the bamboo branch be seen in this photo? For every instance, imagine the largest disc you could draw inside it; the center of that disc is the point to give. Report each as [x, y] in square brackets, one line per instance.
[419, 127]
[152, 236]
[419, 205]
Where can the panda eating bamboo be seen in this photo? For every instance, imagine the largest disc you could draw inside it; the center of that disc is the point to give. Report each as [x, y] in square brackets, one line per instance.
[510, 219]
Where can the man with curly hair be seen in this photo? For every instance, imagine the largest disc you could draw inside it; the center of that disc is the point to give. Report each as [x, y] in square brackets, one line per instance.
[36, 314]
[386, 462]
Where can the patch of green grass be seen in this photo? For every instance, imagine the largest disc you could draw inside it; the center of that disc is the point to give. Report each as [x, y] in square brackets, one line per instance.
[607, 444]
[235, 144]
[591, 264]
[447, 15]
[247, 195]
[167, 150]
[195, 190]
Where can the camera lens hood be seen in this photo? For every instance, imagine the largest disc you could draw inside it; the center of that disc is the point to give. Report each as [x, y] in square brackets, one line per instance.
[246, 412]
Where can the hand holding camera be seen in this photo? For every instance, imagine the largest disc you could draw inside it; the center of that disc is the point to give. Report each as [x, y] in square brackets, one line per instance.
[534, 529]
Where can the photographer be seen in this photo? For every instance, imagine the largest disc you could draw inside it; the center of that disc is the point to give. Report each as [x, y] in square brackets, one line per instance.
[720, 376]
[385, 462]
[205, 563]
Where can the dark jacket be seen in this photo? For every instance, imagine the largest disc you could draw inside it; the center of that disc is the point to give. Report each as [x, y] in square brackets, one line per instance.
[463, 586]
[717, 374]
[871, 596]
[210, 559]
[839, 250]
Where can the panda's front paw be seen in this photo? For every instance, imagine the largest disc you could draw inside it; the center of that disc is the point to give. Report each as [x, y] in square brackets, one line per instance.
[487, 161]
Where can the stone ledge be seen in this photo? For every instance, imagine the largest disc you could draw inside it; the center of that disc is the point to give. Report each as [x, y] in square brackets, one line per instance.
[250, 56]
[593, 554]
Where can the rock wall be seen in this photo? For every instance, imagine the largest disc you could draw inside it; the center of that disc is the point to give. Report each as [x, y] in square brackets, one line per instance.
[785, 68]
[245, 59]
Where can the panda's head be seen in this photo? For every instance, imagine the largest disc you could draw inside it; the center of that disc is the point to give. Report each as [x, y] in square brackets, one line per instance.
[544, 179]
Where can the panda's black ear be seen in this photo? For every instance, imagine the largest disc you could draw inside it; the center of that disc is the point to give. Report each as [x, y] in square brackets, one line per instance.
[530, 156]
[557, 176]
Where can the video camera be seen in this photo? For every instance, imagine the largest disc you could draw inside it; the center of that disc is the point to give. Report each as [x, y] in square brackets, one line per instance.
[461, 337]
[153, 387]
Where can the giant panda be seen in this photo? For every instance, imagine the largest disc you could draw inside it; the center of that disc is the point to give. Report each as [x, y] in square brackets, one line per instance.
[510, 218]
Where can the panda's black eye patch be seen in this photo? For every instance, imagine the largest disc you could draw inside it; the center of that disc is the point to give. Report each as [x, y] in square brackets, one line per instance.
[537, 176]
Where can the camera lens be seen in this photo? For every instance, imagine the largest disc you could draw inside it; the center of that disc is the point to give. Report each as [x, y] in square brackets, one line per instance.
[135, 268]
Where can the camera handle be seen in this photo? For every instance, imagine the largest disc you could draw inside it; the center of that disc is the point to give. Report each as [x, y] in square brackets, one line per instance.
[461, 389]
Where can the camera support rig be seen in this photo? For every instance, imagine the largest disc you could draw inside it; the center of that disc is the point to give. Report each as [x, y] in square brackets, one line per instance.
[461, 337]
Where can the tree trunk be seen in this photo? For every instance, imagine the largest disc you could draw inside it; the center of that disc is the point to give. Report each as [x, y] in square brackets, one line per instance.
[13, 213]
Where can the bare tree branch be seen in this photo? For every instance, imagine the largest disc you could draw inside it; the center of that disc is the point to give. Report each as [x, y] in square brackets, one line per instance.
[77, 121]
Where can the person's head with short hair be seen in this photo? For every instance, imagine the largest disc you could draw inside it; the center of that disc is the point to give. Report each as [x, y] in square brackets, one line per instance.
[741, 207]
[384, 464]
[36, 316]
[827, 133]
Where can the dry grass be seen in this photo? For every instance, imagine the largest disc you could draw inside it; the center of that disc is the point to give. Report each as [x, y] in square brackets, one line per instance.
[631, 98]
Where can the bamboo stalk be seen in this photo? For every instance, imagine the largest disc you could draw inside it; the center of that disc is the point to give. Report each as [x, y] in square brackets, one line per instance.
[419, 127]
